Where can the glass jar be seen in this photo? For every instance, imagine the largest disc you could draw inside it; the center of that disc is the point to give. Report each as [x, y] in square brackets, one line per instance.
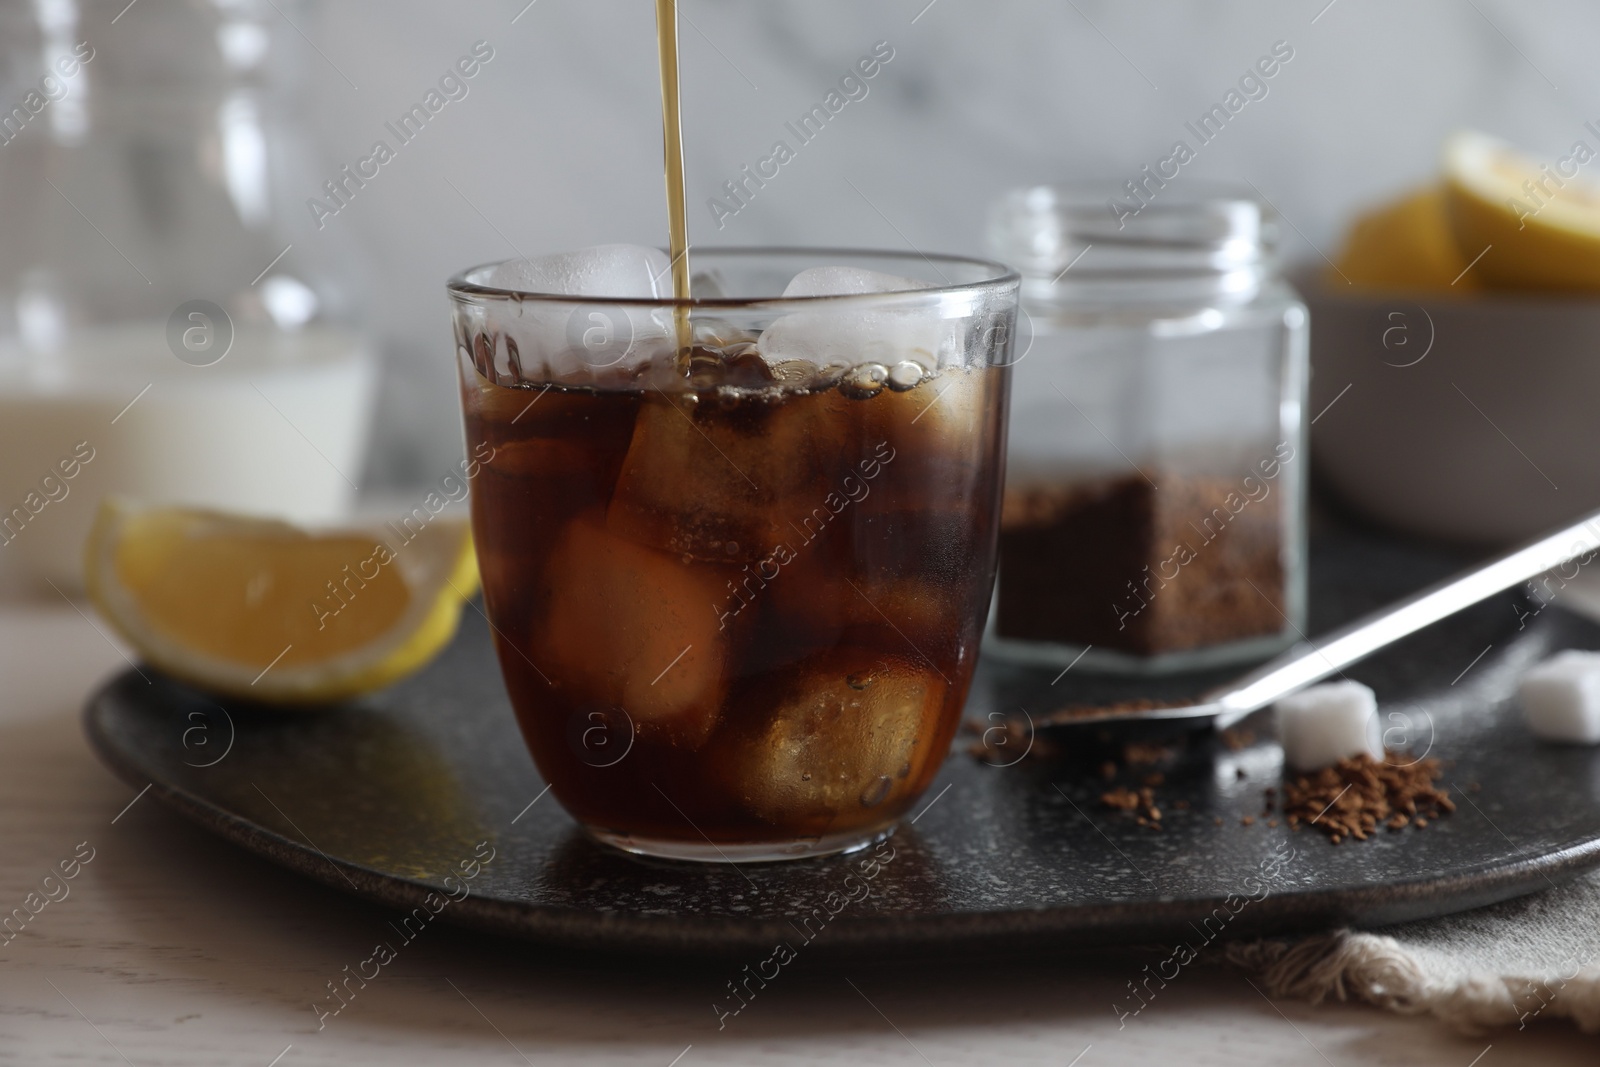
[173, 325]
[1154, 515]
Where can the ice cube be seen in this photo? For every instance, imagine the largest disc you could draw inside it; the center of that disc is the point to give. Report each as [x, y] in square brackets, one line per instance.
[1561, 697]
[849, 731]
[1326, 723]
[911, 613]
[946, 410]
[634, 627]
[855, 335]
[604, 270]
[847, 281]
[708, 285]
[726, 483]
[943, 416]
[572, 341]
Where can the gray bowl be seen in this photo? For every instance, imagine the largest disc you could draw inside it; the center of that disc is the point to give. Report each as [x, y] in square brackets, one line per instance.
[1472, 418]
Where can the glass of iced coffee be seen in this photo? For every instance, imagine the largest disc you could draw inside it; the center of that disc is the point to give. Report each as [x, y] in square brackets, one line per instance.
[737, 551]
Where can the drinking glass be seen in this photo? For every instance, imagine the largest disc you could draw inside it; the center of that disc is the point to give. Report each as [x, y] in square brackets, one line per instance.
[737, 551]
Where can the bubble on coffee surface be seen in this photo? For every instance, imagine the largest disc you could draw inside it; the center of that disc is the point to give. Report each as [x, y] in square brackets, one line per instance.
[907, 374]
[830, 374]
[740, 369]
[736, 367]
[794, 371]
[865, 381]
[721, 334]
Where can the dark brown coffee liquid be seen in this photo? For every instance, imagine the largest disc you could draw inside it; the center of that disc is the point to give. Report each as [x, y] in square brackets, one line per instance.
[737, 614]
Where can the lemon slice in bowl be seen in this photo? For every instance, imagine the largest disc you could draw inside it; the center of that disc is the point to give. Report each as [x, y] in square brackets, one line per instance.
[1540, 222]
[266, 611]
[1405, 245]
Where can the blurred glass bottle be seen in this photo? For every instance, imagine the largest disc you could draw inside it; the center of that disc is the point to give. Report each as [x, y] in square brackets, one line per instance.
[172, 325]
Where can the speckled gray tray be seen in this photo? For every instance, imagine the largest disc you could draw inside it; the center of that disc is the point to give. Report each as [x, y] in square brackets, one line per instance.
[388, 798]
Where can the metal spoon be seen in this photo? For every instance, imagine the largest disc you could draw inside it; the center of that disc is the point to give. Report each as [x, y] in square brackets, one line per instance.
[1307, 663]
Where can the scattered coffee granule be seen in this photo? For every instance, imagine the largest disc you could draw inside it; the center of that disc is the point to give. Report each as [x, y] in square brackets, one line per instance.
[1353, 796]
[1010, 740]
[1248, 820]
[1145, 754]
[1142, 801]
[1237, 739]
[1121, 799]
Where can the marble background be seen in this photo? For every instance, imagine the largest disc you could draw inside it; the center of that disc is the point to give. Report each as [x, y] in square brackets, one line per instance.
[558, 143]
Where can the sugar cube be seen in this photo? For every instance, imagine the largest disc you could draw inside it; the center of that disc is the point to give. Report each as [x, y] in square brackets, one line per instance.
[1561, 697]
[1326, 723]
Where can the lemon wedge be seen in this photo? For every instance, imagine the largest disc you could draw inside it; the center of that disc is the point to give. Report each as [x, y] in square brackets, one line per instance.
[1405, 245]
[1539, 222]
[265, 611]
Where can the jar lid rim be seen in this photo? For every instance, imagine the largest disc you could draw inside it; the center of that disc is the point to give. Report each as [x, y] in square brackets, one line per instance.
[1191, 227]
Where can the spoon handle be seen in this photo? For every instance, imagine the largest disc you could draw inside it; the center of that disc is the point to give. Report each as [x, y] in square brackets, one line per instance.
[1306, 663]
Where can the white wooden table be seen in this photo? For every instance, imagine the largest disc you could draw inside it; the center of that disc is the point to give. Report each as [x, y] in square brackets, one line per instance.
[173, 947]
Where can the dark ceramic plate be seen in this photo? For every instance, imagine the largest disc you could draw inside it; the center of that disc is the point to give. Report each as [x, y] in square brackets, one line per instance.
[389, 798]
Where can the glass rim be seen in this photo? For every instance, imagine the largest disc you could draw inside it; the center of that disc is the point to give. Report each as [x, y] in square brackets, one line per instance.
[1092, 194]
[997, 275]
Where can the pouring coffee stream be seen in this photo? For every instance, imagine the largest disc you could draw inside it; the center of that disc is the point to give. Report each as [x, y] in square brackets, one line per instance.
[672, 139]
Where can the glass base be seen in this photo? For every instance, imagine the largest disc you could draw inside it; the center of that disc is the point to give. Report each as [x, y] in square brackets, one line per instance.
[704, 851]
